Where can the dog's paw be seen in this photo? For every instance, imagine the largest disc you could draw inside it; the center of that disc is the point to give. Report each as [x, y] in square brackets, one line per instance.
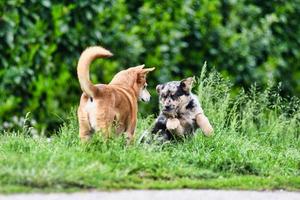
[172, 123]
[204, 124]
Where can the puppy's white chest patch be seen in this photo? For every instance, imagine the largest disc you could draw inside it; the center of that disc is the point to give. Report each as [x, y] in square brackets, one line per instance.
[90, 108]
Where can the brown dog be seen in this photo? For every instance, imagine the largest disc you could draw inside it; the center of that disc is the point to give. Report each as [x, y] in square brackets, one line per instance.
[114, 105]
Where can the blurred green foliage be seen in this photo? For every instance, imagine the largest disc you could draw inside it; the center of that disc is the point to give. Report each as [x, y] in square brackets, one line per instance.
[249, 41]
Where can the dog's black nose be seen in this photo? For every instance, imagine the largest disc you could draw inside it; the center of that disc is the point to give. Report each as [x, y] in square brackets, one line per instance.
[167, 108]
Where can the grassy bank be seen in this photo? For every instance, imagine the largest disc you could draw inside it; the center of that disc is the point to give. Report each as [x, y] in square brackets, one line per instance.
[256, 145]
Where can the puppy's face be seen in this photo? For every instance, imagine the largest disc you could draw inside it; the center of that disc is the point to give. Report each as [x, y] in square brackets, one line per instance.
[173, 95]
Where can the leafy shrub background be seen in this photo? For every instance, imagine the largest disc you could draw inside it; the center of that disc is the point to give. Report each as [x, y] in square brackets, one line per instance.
[40, 42]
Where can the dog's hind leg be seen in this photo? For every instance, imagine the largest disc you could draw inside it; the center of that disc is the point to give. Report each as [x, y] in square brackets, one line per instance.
[103, 127]
[104, 122]
[84, 126]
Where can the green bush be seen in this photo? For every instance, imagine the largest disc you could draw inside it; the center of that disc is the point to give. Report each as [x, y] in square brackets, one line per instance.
[40, 42]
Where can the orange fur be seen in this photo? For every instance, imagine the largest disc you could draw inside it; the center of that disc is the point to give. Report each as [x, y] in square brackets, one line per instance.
[105, 105]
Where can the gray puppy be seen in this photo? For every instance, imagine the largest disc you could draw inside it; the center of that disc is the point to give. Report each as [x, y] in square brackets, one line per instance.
[181, 113]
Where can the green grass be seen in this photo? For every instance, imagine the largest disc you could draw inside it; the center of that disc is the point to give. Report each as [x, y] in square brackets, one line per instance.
[255, 146]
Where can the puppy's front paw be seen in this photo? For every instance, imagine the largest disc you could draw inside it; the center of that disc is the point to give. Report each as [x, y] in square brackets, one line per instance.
[172, 123]
[204, 124]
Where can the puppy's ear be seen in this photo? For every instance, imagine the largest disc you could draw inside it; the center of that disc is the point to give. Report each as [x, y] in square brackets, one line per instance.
[159, 88]
[187, 84]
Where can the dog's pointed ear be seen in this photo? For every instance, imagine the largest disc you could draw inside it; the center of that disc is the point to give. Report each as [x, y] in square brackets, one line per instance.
[187, 84]
[159, 88]
[142, 73]
[139, 67]
[147, 70]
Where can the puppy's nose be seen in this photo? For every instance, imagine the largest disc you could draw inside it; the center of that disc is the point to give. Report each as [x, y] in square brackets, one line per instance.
[167, 107]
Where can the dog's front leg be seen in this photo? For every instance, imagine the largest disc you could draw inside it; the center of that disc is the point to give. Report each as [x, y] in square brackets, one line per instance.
[160, 128]
[203, 123]
[130, 130]
[179, 131]
[174, 126]
[130, 134]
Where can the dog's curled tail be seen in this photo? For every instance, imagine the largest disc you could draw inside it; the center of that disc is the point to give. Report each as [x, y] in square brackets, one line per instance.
[86, 57]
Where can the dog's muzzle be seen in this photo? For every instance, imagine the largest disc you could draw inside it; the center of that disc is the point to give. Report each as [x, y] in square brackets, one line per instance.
[169, 110]
[144, 95]
[145, 99]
